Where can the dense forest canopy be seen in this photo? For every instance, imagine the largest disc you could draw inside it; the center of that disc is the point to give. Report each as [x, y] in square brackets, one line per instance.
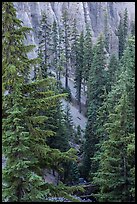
[40, 138]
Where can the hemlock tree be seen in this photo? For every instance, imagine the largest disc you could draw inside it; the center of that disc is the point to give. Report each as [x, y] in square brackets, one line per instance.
[96, 87]
[115, 175]
[24, 132]
[79, 68]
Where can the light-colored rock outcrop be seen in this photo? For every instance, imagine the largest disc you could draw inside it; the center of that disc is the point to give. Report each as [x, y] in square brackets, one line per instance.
[84, 12]
[90, 12]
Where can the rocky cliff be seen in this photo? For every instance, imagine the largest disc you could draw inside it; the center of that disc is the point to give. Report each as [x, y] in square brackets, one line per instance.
[84, 12]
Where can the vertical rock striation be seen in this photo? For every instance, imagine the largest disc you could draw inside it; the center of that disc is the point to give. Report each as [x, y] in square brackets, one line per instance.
[84, 12]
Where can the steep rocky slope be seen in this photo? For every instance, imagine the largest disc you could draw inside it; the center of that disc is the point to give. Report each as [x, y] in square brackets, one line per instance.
[84, 12]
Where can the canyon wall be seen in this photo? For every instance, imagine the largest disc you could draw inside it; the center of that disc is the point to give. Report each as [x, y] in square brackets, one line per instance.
[84, 12]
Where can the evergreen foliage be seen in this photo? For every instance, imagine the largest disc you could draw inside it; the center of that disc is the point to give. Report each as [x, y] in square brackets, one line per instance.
[125, 23]
[44, 44]
[111, 72]
[79, 68]
[78, 135]
[96, 85]
[121, 37]
[106, 31]
[88, 55]
[68, 122]
[66, 41]
[19, 180]
[132, 27]
[61, 54]
[28, 111]
[122, 32]
[62, 126]
[56, 51]
[74, 39]
[115, 175]
[38, 136]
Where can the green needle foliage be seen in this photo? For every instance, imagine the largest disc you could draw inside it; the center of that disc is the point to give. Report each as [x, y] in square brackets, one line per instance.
[38, 136]
[28, 110]
[74, 41]
[88, 55]
[115, 175]
[111, 72]
[106, 31]
[79, 68]
[66, 44]
[44, 44]
[132, 27]
[55, 50]
[18, 176]
[96, 86]
[122, 32]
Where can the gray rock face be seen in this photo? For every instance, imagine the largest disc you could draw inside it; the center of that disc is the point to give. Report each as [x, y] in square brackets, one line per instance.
[84, 12]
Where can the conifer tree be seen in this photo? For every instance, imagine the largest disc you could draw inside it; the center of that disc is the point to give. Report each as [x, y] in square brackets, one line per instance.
[26, 109]
[79, 68]
[102, 112]
[88, 55]
[115, 175]
[61, 125]
[42, 66]
[71, 175]
[61, 57]
[78, 135]
[66, 40]
[133, 28]
[96, 85]
[122, 32]
[106, 31]
[19, 180]
[125, 24]
[74, 39]
[44, 44]
[55, 52]
[111, 72]
[68, 123]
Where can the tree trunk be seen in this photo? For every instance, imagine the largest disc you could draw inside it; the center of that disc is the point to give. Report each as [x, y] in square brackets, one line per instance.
[66, 76]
